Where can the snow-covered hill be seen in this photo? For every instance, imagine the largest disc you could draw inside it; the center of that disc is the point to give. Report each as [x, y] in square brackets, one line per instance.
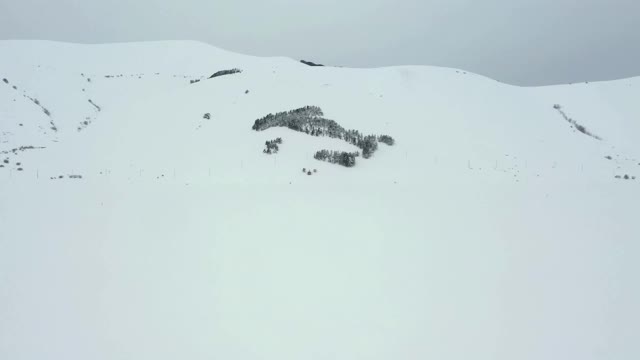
[501, 223]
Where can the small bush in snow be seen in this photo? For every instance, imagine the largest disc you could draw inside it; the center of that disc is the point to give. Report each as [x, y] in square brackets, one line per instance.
[207, 116]
[95, 105]
[5, 80]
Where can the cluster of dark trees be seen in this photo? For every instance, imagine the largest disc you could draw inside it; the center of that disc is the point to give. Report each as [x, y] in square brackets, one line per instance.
[225, 72]
[271, 146]
[21, 148]
[386, 139]
[37, 102]
[309, 120]
[337, 157]
[368, 144]
[293, 119]
[194, 81]
[309, 63]
[207, 116]
[571, 121]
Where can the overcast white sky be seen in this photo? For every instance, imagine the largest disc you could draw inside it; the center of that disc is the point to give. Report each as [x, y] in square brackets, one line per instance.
[523, 42]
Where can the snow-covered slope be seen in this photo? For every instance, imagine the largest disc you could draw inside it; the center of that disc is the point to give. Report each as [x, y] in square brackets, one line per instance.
[492, 228]
[447, 123]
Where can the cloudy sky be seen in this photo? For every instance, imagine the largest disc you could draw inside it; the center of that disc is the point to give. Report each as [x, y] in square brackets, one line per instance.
[525, 42]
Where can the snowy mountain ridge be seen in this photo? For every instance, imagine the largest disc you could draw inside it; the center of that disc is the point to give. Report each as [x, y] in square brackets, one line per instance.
[466, 122]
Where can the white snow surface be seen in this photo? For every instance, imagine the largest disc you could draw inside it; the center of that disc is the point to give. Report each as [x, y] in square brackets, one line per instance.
[492, 229]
